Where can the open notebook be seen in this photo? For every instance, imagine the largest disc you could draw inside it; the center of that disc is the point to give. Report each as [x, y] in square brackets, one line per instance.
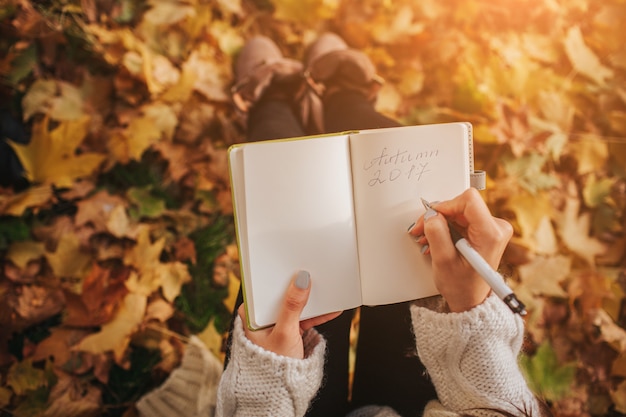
[339, 207]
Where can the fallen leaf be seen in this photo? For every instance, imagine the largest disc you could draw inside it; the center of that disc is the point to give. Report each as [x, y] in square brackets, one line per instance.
[548, 378]
[160, 310]
[233, 291]
[58, 100]
[97, 209]
[36, 303]
[574, 229]
[69, 260]
[73, 397]
[34, 197]
[20, 253]
[51, 158]
[583, 59]
[115, 335]
[609, 331]
[23, 376]
[544, 275]
[212, 339]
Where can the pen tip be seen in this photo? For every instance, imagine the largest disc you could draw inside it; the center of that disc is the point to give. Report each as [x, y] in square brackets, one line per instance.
[425, 203]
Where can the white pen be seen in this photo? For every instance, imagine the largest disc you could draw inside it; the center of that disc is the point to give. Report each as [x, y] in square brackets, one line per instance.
[490, 275]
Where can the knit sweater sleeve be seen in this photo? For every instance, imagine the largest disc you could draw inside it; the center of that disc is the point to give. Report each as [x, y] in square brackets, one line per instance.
[472, 359]
[260, 383]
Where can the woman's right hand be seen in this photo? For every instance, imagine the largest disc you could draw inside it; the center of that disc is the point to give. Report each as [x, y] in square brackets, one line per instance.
[455, 279]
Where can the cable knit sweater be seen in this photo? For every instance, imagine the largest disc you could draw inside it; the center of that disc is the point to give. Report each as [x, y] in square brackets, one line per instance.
[470, 356]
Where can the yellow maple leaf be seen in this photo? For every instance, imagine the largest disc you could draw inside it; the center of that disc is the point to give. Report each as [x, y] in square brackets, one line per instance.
[20, 253]
[115, 335]
[583, 59]
[68, 261]
[233, 291]
[17, 204]
[175, 274]
[575, 227]
[543, 275]
[50, 157]
[151, 273]
[212, 339]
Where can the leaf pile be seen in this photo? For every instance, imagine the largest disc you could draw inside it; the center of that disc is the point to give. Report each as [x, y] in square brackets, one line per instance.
[116, 228]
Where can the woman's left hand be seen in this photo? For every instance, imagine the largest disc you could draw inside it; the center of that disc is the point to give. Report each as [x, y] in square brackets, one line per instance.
[285, 337]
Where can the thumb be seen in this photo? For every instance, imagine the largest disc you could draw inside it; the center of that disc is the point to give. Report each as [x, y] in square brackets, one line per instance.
[295, 299]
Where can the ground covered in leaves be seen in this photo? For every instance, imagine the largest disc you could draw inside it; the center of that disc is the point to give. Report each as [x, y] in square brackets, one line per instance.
[116, 233]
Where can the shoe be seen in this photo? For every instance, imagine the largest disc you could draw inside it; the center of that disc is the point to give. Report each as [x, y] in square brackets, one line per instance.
[259, 66]
[329, 61]
[332, 66]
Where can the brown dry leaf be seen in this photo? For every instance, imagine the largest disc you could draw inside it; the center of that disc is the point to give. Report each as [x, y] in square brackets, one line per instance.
[56, 347]
[52, 232]
[102, 293]
[5, 396]
[58, 100]
[50, 157]
[589, 289]
[160, 310]
[609, 331]
[185, 250]
[36, 303]
[73, 397]
[96, 210]
[115, 335]
[177, 158]
[618, 395]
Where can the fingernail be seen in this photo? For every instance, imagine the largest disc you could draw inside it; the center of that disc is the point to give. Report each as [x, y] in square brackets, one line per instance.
[424, 249]
[410, 227]
[429, 213]
[302, 280]
[418, 238]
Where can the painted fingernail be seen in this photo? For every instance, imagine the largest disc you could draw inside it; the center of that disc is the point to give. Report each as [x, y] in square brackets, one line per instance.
[429, 213]
[424, 249]
[303, 280]
[410, 227]
[418, 238]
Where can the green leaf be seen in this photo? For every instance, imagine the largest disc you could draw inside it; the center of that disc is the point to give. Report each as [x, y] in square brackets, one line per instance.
[23, 377]
[34, 404]
[23, 65]
[529, 170]
[199, 300]
[546, 376]
[12, 229]
[145, 203]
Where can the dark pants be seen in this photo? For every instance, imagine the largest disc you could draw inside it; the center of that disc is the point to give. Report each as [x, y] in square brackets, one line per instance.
[387, 370]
